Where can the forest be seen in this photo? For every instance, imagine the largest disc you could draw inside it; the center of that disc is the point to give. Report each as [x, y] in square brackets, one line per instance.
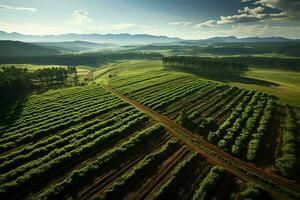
[15, 82]
[204, 66]
[92, 59]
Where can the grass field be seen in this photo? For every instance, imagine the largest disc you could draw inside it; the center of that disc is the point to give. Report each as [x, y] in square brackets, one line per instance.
[281, 83]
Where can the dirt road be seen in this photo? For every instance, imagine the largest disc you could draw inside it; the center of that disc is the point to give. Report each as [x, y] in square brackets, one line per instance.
[279, 187]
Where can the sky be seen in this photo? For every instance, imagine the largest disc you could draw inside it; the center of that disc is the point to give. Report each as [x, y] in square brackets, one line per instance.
[187, 19]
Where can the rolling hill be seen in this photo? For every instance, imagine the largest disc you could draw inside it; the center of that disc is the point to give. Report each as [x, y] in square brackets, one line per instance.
[16, 48]
[76, 46]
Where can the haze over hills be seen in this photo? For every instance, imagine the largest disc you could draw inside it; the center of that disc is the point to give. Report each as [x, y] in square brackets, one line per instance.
[142, 39]
[76, 46]
[16, 48]
[96, 38]
[233, 39]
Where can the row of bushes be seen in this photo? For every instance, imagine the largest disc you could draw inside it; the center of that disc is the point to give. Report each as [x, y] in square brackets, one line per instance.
[180, 169]
[49, 140]
[82, 176]
[209, 183]
[38, 132]
[215, 136]
[140, 170]
[258, 137]
[61, 157]
[287, 163]
[73, 135]
[241, 142]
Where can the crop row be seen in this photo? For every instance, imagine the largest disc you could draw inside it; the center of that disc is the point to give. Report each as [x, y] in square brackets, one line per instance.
[89, 125]
[141, 170]
[62, 109]
[287, 163]
[113, 122]
[215, 136]
[64, 155]
[39, 132]
[180, 169]
[232, 132]
[81, 176]
[209, 183]
[258, 137]
[31, 111]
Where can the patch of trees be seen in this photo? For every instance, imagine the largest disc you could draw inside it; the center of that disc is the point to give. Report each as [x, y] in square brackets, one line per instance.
[15, 82]
[77, 59]
[204, 66]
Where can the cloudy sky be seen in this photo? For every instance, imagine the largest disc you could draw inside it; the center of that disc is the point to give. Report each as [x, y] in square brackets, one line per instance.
[188, 19]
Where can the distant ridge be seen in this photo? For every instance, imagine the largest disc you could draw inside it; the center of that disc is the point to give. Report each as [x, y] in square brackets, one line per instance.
[233, 39]
[123, 38]
[16, 48]
[76, 46]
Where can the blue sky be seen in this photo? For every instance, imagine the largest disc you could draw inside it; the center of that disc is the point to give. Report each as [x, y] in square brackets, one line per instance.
[189, 19]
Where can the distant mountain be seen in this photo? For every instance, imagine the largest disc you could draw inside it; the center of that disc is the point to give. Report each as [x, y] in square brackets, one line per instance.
[120, 39]
[16, 48]
[233, 39]
[76, 46]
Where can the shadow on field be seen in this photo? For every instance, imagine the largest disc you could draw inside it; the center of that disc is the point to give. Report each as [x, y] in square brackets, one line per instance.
[242, 79]
[10, 112]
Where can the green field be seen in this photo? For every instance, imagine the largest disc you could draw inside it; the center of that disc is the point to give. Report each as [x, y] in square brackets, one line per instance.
[89, 142]
[281, 83]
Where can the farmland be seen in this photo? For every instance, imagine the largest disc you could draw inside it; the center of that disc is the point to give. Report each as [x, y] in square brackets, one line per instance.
[51, 149]
[150, 100]
[95, 142]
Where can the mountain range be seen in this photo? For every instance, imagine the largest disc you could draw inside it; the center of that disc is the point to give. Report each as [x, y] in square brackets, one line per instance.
[120, 39]
[138, 39]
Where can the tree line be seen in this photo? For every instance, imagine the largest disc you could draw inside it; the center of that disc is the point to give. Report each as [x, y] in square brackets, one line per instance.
[203, 65]
[91, 59]
[15, 82]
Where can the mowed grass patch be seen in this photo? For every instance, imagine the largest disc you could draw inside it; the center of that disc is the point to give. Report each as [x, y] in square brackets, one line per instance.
[286, 84]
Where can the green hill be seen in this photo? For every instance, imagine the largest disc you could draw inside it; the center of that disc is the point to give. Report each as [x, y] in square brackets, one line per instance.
[16, 48]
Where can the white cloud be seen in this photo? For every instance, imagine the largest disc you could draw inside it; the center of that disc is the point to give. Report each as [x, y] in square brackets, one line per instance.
[180, 23]
[291, 8]
[16, 8]
[80, 17]
[207, 24]
[245, 1]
